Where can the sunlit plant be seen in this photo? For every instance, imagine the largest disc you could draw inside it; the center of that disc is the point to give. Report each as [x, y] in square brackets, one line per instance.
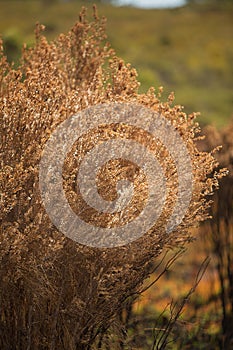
[55, 292]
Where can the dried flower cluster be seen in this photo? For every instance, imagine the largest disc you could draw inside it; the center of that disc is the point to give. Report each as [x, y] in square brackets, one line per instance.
[56, 293]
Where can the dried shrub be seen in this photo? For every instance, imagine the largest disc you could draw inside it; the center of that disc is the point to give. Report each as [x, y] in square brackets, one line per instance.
[218, 231]
[56, 293]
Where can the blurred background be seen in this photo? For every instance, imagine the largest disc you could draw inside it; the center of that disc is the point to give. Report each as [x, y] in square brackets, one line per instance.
[186, 47]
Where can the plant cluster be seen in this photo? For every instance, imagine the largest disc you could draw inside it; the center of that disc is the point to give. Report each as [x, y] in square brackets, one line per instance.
[56, 293]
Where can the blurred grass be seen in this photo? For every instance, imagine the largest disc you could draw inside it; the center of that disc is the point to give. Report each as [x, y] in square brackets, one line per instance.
[187, 50]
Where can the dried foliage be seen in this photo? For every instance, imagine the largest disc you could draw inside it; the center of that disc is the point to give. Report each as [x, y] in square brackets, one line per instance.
[55, 293]
[219, 230]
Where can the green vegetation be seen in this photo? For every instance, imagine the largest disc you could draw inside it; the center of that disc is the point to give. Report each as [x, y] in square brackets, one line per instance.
[187, 50]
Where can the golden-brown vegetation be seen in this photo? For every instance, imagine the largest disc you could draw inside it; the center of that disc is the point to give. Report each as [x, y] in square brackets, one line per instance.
[218, 232]
[56, 293]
